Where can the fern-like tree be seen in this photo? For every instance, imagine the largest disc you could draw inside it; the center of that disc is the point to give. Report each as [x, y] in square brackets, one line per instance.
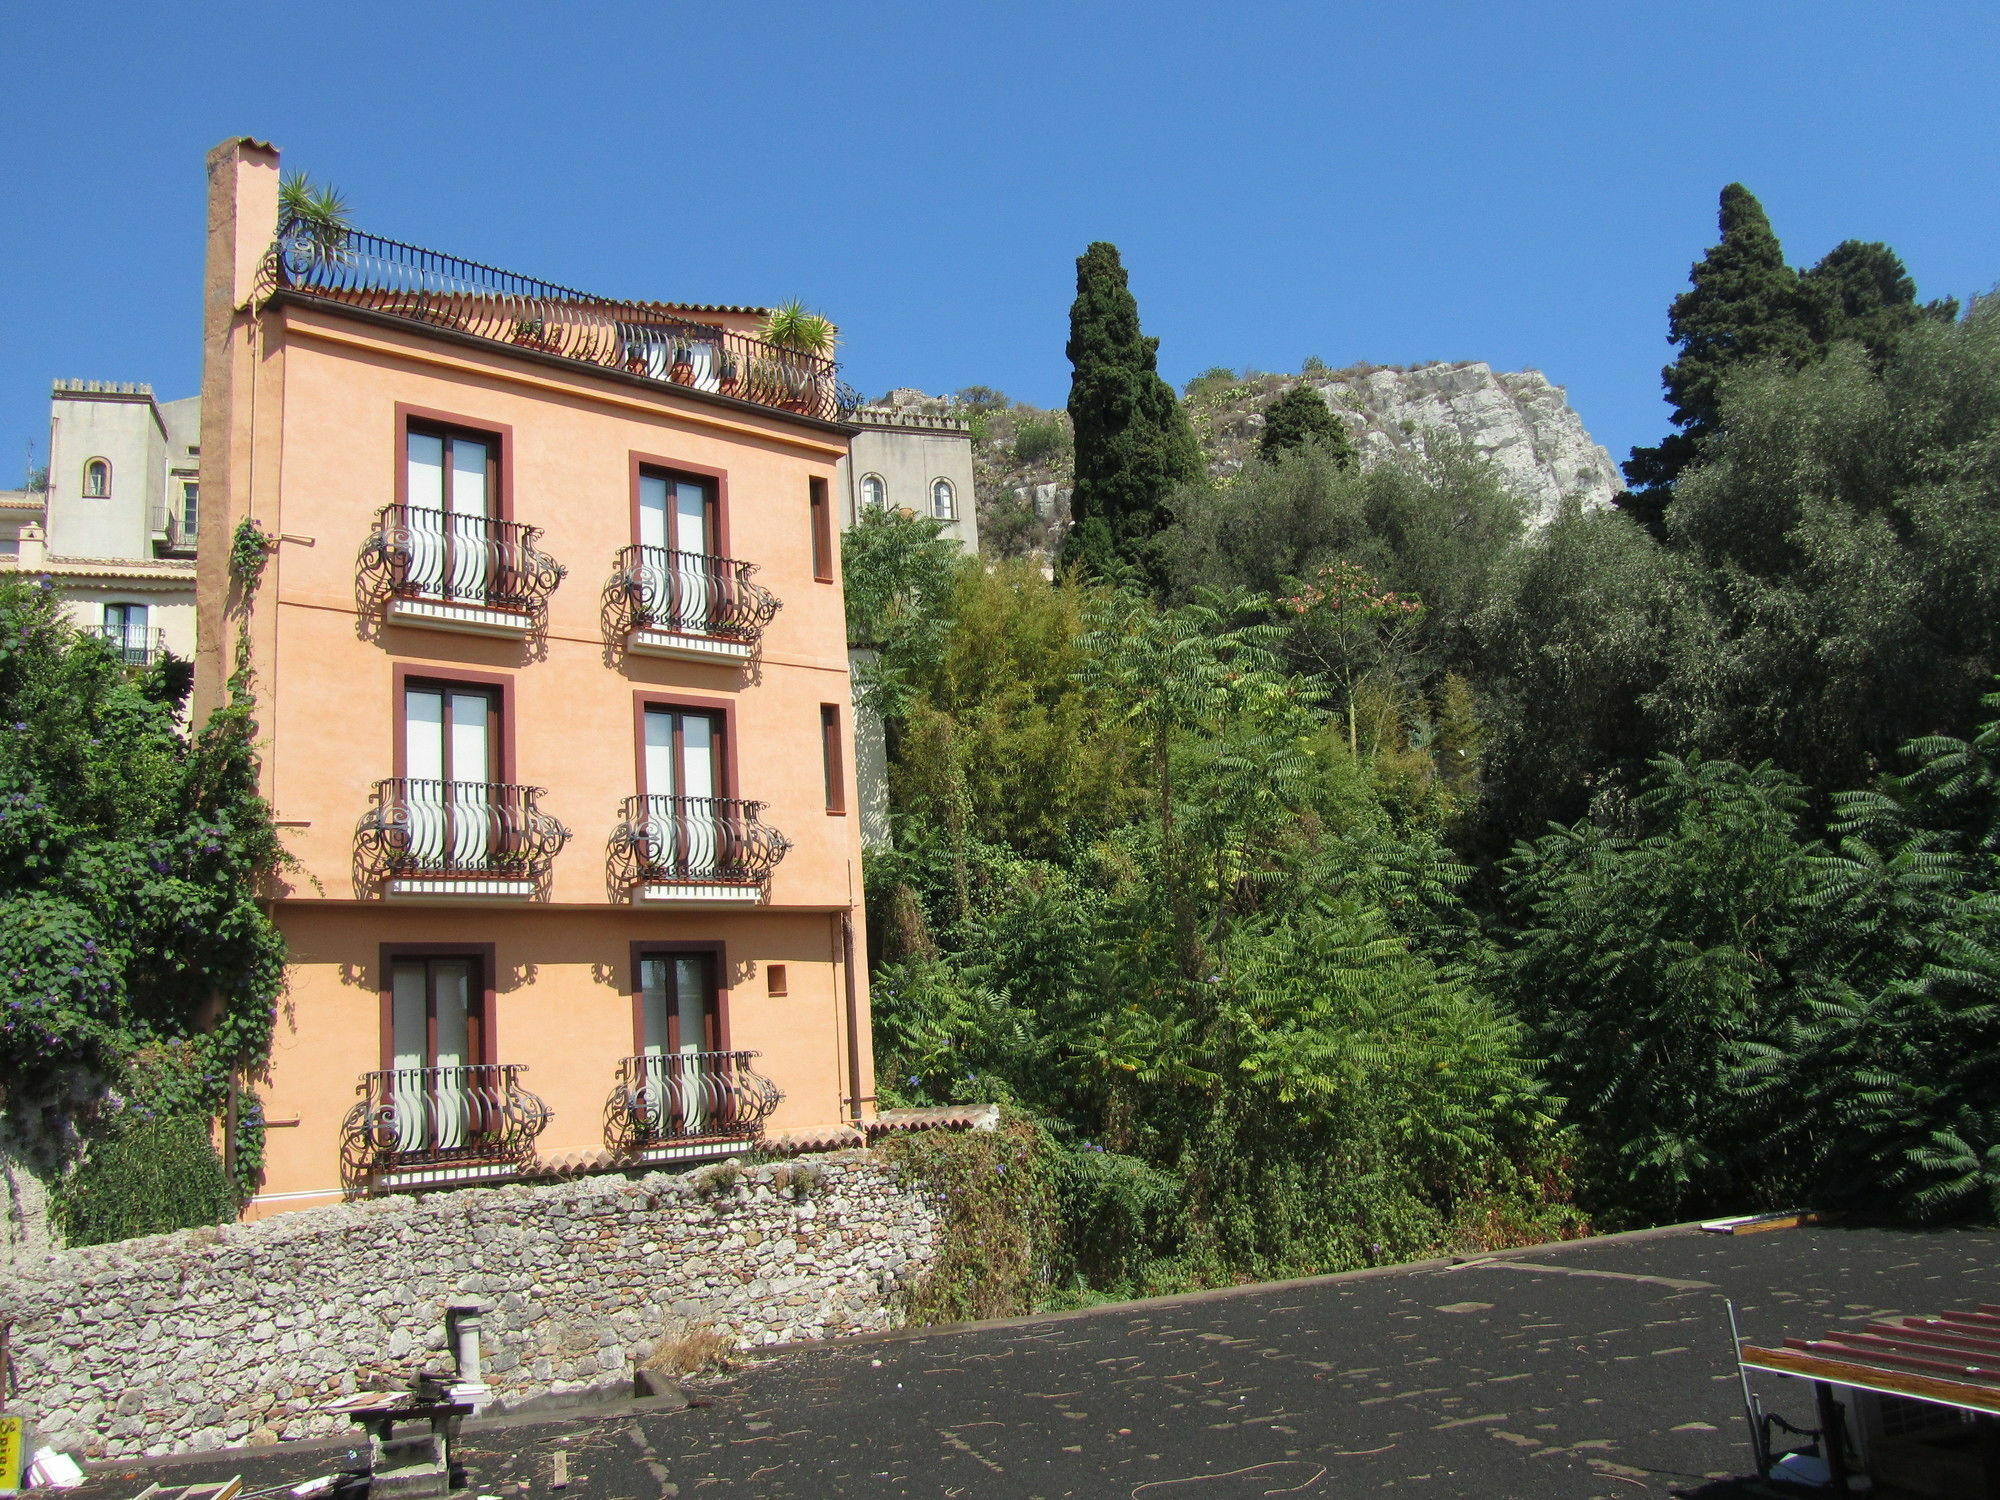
[1301, 416]
[1133, 441]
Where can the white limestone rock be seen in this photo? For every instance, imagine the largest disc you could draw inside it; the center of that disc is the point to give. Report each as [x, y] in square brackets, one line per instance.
[1518, 419]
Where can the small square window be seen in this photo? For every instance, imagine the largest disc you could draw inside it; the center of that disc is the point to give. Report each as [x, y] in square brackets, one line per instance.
[774, 978]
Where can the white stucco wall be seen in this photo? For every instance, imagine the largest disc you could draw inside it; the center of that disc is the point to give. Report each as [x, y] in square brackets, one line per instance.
[909, 459]
[125, 429]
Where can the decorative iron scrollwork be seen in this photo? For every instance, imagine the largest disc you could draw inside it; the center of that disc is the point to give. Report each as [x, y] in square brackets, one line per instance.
[687, 1096]
[409, 1119]
[695, 841]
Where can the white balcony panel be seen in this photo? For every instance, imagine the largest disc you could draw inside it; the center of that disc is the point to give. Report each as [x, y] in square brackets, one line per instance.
[702, 895]
[688, 647]
[473, 889]
[467, 619]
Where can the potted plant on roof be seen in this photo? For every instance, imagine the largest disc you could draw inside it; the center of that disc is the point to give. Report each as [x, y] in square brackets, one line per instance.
[680, 369]
[533, 333]
[795, 330]
[725, 373]
[312, 224]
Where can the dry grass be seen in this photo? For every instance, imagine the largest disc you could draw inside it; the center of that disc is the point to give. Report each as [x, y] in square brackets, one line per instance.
[693, 1350]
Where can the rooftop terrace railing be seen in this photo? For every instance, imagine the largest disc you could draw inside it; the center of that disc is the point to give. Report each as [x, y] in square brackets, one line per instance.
[639, 338]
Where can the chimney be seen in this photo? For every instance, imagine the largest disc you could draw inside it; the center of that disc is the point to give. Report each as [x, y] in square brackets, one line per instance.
[242, 223]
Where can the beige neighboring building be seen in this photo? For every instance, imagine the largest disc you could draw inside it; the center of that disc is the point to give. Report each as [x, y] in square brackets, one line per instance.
[907, 456]
[115, 527]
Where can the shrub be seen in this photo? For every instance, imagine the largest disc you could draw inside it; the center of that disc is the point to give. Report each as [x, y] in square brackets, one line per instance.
[1040, 438]
[150, 1175]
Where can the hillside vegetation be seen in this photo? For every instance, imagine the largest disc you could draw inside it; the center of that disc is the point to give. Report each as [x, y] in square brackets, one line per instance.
[1349, 868]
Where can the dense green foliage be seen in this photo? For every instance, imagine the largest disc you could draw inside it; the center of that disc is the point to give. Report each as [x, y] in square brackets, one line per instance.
[1746, 308]
[1367, 872]
[1133, 442]
[133, 954]
[1301, 416]
[147, 1175]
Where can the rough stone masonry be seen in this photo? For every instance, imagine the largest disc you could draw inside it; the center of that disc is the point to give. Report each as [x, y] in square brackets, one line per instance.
[236, 1334]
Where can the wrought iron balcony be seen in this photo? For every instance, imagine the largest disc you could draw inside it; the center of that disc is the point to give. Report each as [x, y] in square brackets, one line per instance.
[409, 1119]
[687, 1096]
[690, 603]
[639, 338]
[426, 837]
[448, 568]
[135, 645]
[716, 848]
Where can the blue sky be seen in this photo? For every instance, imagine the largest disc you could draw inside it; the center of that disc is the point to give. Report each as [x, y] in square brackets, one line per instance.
[1523, 183]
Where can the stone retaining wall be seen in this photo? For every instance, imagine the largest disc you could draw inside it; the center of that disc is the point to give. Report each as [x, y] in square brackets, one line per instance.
[213, 1337]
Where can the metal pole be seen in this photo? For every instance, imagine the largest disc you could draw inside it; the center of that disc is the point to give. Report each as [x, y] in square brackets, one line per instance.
[1750, 1414]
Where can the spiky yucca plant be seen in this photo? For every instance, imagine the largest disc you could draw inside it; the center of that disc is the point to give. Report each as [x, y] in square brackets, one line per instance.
[314, 213]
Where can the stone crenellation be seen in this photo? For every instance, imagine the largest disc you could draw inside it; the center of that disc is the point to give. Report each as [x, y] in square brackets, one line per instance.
[210, 1338]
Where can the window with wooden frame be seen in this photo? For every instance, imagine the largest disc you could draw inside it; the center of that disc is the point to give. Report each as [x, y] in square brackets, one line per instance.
[97, 479]
[822, 531]
[831, 759]
[453, 470]
[437, 1011]
[678, 1008]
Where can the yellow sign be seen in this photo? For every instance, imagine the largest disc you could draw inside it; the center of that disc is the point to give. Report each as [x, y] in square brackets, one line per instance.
[11, 1453]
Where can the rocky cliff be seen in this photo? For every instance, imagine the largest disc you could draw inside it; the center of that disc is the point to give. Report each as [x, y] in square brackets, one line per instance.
[1519, 420]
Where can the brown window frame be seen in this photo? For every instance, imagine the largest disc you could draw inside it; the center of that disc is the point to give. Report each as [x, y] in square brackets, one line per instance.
[832, 762]
[821, 508]
[718, 993]
[498, 436]
[722, 711]
[499, 692]
[716, 481]
[479, 1028]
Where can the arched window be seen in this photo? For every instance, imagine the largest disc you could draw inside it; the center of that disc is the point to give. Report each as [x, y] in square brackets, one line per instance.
[874, 493]
[944, 503]
[97, 479]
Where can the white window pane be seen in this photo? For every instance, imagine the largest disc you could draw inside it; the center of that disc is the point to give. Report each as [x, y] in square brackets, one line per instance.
[690, 518]
[423, 733]
[452, 979]
[692, 1002]
[653, 1006]
[426, 470]
[660, 754]
[468, 478]
[652, 511]
[470, 753]
[698, 756]
[409, 1022]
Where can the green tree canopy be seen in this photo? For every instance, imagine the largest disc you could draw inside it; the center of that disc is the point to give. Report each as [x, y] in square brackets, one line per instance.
[1744, 305]
[1133, 442]
[1301, 416]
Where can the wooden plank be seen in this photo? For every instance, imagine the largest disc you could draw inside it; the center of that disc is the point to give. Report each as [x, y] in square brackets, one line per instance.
[1984, 1398]
[1912, 1331]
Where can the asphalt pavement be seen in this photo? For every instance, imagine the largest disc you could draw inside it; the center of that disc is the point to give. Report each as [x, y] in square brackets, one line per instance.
[1593, 1369]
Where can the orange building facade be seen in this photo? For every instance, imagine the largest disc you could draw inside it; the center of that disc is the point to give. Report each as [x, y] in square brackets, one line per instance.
[550, 668]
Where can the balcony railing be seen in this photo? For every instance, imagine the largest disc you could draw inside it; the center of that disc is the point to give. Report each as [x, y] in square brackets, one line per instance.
[458, 830]
[640, 338]
[442, 558]
[692, 593]
[135, 645]
[687, 1096]
[705, 841]
[412, 1118]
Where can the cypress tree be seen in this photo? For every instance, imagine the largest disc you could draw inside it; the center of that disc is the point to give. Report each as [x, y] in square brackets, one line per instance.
[1133, 442]
[1301, 416]
[1745, 304]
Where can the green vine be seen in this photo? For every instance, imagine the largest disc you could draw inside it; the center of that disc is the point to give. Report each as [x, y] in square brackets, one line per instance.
[995, 1192]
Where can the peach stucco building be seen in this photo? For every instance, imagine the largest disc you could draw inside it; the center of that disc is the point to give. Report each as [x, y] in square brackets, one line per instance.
[567, 786]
